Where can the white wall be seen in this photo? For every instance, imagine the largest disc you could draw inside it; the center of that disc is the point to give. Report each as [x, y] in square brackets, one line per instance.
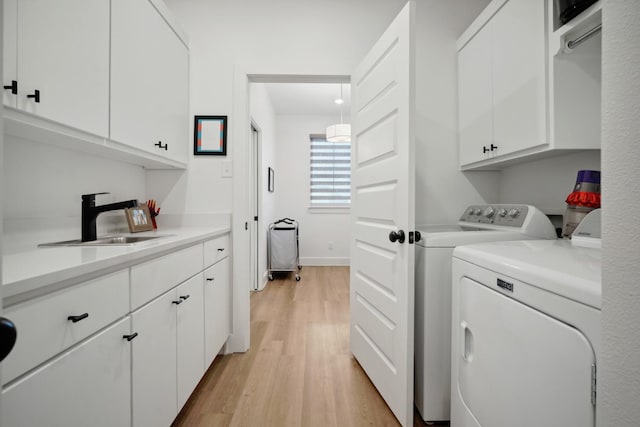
[545, 183]
[442, 191]
[42, 185]
[318, 231]
[264, 117]
[619, 370]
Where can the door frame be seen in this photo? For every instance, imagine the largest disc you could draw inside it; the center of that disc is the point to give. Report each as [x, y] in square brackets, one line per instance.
[242, 242]
[256, 202]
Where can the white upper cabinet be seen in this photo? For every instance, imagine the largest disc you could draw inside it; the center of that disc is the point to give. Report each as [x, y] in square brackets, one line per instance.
[149, 81]
[517, 99]
[58, 53]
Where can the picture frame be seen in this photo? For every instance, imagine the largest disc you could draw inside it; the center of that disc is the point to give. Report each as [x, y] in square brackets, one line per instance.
[270, 181]
[210, 136]
[139, 219]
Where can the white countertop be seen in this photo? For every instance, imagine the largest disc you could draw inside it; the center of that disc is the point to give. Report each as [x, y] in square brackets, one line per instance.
[31, 273]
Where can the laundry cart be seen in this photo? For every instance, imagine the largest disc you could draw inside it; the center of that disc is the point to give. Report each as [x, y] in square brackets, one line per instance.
[282, 244]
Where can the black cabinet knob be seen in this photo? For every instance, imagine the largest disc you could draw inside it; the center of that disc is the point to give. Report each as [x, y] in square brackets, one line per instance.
[177, 302]
[13, 86]
[78, 318]
[130, 337]
[159, 144]
[210, 279]
[8, 335]
[397, 236]
[35, 95]
[184, 297]
[220, 249]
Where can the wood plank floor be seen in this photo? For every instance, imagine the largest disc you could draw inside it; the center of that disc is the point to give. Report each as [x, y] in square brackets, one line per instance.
[298, 371]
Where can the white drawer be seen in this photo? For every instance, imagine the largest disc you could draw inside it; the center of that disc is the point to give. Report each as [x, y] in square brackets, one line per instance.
[216, 249]
[152, 278]
[44, 327]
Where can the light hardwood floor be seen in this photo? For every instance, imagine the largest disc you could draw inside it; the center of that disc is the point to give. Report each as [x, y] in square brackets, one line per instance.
[298, 371]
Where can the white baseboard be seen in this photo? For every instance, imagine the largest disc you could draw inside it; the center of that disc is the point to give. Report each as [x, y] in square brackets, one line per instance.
[321, 261]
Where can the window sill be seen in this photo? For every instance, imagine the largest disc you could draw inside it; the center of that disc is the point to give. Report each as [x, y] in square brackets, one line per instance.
[345, 210]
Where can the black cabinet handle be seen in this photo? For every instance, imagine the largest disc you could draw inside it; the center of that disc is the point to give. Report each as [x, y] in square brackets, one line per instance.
[210, 279]
[8, 335]
[35, 95]
[13, 86]
[184, 297]
[177, 302]
[485, 149]
[78, 318]
[220, 249]
[418, 236]
[160, 145]
[494, 147]
[397, 236]
[130, 337]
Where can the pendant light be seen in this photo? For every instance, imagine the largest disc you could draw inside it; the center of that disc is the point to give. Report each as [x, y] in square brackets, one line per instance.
[339, 132]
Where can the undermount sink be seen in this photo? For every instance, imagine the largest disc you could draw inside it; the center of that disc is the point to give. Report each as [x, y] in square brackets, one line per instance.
[104, 241]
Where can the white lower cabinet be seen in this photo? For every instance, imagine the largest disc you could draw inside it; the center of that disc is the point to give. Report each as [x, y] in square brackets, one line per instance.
[126, 348]
[217, 324]
[88, 385]
[153, 369]
[190, 340]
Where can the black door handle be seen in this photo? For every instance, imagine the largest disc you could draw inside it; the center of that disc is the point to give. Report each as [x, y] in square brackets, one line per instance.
[397, 236]
[35, 96]
[8, 334]
[78, 318]
[418, 236]
[130, 337]
[13, 86]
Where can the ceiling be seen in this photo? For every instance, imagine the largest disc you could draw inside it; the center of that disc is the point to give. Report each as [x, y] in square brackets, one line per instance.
[308, 98]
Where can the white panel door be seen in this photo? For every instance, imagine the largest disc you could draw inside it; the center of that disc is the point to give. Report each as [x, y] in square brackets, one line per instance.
[381, 289]
[518, 366]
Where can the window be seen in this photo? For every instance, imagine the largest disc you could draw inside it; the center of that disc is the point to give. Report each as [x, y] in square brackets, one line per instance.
[330, 184]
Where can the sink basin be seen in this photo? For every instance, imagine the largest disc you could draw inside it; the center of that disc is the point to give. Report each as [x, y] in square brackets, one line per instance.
[104, 241]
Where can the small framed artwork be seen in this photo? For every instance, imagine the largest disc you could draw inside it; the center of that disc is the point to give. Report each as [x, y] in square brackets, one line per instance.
[139, 218]
[270, 180]
[210, 136]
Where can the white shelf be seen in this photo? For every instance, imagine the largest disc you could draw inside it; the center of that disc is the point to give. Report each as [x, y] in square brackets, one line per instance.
[581, 24]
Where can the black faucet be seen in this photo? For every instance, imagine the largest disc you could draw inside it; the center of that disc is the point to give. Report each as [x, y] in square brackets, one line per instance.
[90, 213]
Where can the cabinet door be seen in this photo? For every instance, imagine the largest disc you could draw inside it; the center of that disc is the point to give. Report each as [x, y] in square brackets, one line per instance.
[63, 52]
[190, 337]
[149, 81]
[475, 98]
[154, 362]
[90, 385]
[9, 46]
[519, 81]
[216, 309]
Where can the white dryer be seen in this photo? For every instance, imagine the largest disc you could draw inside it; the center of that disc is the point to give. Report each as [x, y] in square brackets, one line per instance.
[486, 223]
[525, 334]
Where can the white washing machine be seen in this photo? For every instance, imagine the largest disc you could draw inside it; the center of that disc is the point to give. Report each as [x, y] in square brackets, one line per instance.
[525, 334]
[486, 223]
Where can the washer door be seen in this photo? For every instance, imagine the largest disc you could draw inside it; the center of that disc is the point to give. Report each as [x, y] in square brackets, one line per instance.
[518, 366]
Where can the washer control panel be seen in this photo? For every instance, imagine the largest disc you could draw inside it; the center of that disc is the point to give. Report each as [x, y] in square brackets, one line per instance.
[503, 215]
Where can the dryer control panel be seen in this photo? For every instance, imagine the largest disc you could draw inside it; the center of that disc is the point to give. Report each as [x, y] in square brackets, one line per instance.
[502, 215]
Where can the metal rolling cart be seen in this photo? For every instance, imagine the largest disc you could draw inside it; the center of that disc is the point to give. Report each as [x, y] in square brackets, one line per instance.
[282, 244]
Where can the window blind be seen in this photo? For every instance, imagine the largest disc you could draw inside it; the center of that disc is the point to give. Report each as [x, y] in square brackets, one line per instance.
[330, 172]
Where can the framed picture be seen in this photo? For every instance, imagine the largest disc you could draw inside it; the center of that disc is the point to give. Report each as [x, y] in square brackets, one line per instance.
[270, 180]
[139, 218]
[210, 136]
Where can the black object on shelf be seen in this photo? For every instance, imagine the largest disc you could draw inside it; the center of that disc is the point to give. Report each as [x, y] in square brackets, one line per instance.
[569, 9]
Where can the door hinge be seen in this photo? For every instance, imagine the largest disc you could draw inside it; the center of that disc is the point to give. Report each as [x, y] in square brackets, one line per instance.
[593, 384]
